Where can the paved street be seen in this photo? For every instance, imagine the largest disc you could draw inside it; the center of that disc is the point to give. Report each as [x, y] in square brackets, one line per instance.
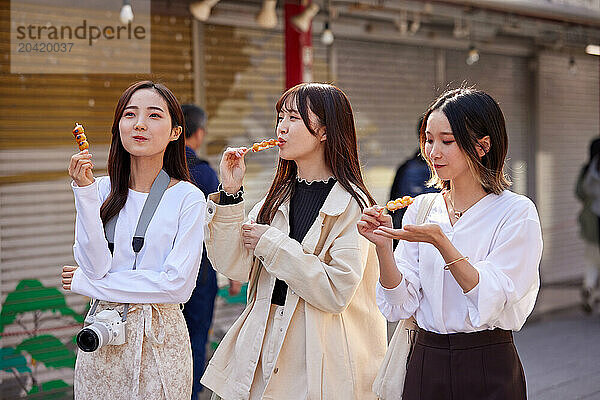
[561, 356]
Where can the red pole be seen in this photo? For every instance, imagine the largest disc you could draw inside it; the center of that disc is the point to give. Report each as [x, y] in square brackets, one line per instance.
[298, 48]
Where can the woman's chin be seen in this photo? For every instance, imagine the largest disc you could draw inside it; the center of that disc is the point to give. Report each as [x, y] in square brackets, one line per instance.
[284, 156]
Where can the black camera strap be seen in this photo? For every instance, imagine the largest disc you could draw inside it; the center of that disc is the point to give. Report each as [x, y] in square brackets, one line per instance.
[158, 188]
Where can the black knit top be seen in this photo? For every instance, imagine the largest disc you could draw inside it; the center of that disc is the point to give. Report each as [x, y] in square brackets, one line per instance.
[307, 199]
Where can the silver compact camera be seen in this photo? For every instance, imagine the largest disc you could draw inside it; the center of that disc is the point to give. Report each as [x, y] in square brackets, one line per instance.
[104, 327]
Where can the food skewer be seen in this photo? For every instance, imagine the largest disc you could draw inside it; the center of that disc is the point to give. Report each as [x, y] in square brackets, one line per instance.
[265, 144]
[80, 137]
[397, 204]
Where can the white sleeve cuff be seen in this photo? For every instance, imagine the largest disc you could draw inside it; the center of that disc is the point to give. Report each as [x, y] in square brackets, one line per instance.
[268, 244]
[75, 287]
[473, 296]
[395, 296]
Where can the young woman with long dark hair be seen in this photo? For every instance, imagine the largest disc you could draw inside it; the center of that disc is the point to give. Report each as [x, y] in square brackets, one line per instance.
[470, 274]
[155, 361]
[311, 329]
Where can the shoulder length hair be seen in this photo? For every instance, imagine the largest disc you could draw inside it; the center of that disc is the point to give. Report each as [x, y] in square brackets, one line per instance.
[119, 168]
[473, 114]
[333, 110]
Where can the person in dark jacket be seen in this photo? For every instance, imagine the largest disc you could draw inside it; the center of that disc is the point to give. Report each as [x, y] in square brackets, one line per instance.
[410, 180]
[198, 311]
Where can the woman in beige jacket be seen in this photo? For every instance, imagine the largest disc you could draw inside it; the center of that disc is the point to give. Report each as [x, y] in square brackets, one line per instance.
[311, 329]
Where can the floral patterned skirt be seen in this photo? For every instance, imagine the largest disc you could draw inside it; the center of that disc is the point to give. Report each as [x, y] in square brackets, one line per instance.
[154, 363]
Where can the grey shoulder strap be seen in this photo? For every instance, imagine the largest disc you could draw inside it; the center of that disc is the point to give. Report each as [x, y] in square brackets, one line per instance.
[425, 207]
[158, 188]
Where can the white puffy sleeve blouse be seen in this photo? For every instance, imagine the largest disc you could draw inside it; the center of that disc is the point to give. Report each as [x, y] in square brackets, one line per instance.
[502, 237]
[167, 264]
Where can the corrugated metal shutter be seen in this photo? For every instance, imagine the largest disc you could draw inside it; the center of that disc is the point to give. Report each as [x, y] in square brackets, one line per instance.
[389, 86]
[244, 78]
[506, 79]
[36, 204]
[568, 119]
[388, 96]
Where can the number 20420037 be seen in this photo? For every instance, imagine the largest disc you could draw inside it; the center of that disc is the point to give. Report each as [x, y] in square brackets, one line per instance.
[27, 47]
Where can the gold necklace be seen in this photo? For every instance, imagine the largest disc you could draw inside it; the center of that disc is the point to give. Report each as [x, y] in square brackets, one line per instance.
[457, 214]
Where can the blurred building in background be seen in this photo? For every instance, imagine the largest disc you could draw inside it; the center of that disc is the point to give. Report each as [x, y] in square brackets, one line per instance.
[391, 57]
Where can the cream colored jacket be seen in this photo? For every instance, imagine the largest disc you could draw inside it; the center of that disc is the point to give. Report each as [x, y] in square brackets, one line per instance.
[330, 304]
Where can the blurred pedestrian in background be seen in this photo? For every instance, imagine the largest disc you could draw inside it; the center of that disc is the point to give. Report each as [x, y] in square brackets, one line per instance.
[410, 180]
[198, 311]
[588, 191]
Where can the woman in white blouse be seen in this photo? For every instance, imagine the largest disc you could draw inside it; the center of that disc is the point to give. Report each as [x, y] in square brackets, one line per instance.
[155, 361]
[470, 273]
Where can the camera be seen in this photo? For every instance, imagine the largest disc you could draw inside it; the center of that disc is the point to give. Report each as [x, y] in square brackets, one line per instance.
[105, 327]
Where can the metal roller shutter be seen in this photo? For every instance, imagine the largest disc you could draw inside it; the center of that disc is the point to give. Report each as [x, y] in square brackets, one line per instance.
[36, 204]
[389, 86]
[505, 78]
[244, 78]
[568, 118]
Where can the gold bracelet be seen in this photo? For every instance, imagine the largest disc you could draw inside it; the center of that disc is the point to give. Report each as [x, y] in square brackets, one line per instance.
[447, 266]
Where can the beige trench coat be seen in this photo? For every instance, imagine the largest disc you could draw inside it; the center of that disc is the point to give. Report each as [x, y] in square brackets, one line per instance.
[330, 306]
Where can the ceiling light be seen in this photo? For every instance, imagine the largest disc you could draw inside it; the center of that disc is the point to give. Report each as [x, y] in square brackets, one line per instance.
[126, 15]
[267, 17]
[401, 23]
[473, 55]
[303, 20]
[593, 49]
[327, 35]
[201, 9]
[415, 25]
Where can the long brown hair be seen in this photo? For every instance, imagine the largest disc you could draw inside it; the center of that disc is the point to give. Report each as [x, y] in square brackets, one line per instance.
[334, 112]
[473, 114]
[119, 168]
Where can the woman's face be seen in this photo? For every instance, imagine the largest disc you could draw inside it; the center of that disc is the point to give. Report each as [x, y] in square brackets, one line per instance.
[448, 161]
[145, 126]
[296, 141]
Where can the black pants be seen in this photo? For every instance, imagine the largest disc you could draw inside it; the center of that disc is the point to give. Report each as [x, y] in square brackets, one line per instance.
[463, 366]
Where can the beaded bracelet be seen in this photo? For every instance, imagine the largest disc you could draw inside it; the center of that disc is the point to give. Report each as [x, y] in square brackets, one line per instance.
[447, 266]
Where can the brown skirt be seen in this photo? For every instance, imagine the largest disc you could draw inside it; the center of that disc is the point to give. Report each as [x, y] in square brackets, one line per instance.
[463, 366]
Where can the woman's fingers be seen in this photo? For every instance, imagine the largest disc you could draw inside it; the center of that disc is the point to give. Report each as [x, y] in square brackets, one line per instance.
[67, 276]
[390, 232]
[384, 234]
[364, 227]
[371, 220]
[76, 159]
[234, 153]
[372, 211]
[79, 173]
[66, 282]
